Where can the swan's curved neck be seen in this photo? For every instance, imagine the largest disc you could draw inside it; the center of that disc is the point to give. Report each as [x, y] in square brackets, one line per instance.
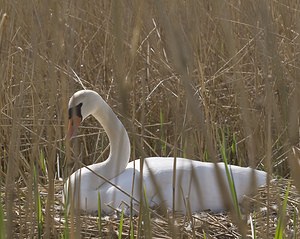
[119, 154]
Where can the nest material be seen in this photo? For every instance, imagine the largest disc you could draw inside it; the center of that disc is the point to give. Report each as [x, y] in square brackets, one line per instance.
[260, 215]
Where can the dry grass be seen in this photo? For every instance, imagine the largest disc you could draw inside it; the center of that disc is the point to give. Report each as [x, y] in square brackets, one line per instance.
[176, 72]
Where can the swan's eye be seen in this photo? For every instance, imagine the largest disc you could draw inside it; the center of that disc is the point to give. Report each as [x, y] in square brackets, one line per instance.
[76, 110]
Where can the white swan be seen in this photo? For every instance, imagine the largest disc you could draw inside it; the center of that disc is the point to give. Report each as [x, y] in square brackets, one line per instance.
[196, 182]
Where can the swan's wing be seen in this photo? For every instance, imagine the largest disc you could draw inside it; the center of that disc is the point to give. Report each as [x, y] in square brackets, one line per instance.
[197, 186]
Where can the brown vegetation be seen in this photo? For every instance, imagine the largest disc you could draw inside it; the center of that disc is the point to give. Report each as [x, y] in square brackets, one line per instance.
[178, 73]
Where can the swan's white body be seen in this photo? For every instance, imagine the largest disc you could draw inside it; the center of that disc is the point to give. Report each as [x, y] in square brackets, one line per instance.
[196, 184]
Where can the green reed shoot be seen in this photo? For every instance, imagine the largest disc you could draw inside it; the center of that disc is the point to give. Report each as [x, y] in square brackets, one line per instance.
[2, 226]
[39, 213]
[43, 162]
[162, 137]
[206, 156]
[234, 150]
[131, 229]
[121, 224]
[99, 215]
[204, 235]
[280, 224]
[146, 215]
[66, 232]
[229, 175]
[295, 223]
[234, 145]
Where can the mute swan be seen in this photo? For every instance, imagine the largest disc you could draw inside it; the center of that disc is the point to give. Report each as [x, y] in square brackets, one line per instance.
[196, 182]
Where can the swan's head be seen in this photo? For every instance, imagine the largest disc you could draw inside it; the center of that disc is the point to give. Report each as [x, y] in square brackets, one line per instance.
[81, 105]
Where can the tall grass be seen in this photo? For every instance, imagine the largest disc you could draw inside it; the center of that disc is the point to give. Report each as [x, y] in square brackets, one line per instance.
[39, 214]
[281, 221]
[230, 180]
[2, 223]
[227, 64]
[99, 216]
[121, 225]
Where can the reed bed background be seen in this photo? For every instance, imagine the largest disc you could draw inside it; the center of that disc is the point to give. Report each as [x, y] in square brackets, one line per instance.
[179, 74]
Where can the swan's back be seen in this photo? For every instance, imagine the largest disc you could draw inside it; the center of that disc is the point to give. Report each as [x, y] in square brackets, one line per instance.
[197, 186]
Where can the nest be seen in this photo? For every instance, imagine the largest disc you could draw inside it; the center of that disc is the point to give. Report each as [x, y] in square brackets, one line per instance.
[260, 217]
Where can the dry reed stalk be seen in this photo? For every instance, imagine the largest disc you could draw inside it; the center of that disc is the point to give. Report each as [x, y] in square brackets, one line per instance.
[227, 65]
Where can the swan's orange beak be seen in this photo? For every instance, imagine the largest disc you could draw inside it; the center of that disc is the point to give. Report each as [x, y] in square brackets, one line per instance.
[74, 123]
